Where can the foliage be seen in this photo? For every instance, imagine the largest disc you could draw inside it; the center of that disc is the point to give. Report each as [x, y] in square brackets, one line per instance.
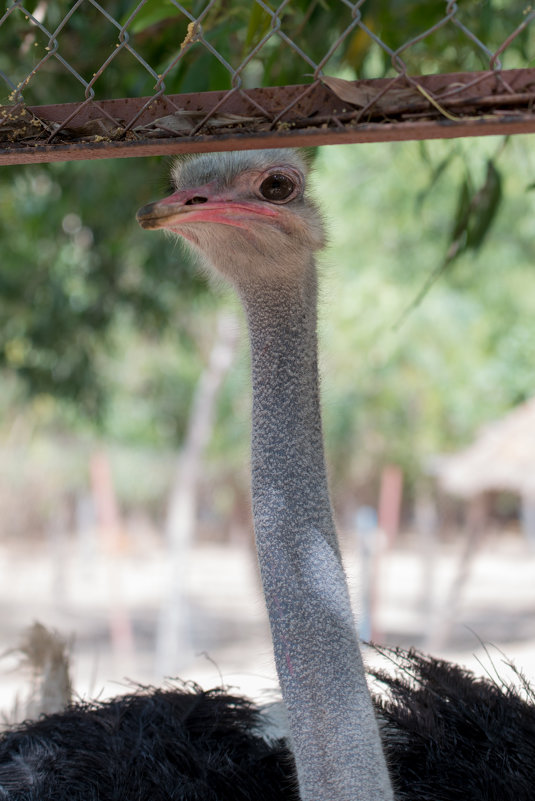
[73, 261]
[465, 355]
[235, 29]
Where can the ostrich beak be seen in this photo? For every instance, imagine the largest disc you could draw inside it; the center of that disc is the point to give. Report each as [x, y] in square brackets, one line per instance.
[201, 204]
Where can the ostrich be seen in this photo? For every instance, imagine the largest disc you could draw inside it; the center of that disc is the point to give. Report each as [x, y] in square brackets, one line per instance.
[249, 219]
[248, 216]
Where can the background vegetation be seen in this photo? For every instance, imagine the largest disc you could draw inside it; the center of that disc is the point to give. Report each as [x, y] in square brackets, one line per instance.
[104, 328]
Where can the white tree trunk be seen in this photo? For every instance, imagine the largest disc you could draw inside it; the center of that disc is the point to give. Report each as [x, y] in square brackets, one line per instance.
[173, 645]
[473, 536]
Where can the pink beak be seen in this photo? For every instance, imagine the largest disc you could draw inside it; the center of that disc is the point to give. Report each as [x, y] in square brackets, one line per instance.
[201, 204]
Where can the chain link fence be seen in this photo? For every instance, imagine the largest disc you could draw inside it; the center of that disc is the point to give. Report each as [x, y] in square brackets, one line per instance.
[160, 76]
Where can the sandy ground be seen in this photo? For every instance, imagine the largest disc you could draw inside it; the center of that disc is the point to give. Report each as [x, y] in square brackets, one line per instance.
[74, 591]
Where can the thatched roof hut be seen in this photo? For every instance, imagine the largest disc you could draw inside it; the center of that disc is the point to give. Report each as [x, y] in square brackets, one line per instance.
[501, 458]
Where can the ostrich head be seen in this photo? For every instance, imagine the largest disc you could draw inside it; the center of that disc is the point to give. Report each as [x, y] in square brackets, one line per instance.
[246, 214]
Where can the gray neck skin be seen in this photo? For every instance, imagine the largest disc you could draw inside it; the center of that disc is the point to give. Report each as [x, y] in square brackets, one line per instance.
[332, 724]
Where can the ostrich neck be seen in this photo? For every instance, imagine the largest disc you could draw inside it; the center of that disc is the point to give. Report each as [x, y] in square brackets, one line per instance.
[333, 729]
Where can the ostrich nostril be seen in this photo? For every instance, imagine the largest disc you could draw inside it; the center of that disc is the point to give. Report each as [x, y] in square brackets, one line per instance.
[196, 199]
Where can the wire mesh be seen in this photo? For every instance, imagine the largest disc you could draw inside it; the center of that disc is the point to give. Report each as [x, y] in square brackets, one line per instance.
[162, 76]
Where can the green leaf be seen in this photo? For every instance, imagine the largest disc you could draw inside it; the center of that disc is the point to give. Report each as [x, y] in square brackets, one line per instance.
[151, 15]
[259, 21]
[460, 220]
[484, 206]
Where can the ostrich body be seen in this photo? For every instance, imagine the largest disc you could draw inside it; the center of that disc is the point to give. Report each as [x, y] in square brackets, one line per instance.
[447, 734]
[248, 217]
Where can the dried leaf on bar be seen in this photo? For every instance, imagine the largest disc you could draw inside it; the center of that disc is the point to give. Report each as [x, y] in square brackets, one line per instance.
[100, 126]
[399, 97]
[233, 119]
[396, 99]
[183, 122]
[349, 91]
[180, 122]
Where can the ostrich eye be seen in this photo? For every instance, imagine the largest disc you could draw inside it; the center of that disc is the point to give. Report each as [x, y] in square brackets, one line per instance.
[277, 187]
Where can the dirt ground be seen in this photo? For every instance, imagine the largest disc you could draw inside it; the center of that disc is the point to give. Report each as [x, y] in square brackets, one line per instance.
[74, 590]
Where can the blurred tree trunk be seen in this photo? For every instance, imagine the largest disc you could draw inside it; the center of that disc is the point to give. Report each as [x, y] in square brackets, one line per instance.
[476, 522]
[112, 543]
[426, 525]
[173, 645]
[390, 497]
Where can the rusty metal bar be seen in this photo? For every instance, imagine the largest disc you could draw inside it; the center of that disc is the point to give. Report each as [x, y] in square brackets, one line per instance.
[424, 107]
[297, 138]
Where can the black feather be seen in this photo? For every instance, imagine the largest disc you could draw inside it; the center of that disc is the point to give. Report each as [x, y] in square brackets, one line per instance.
[152, 745]
[448, 736]
[451, 736]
